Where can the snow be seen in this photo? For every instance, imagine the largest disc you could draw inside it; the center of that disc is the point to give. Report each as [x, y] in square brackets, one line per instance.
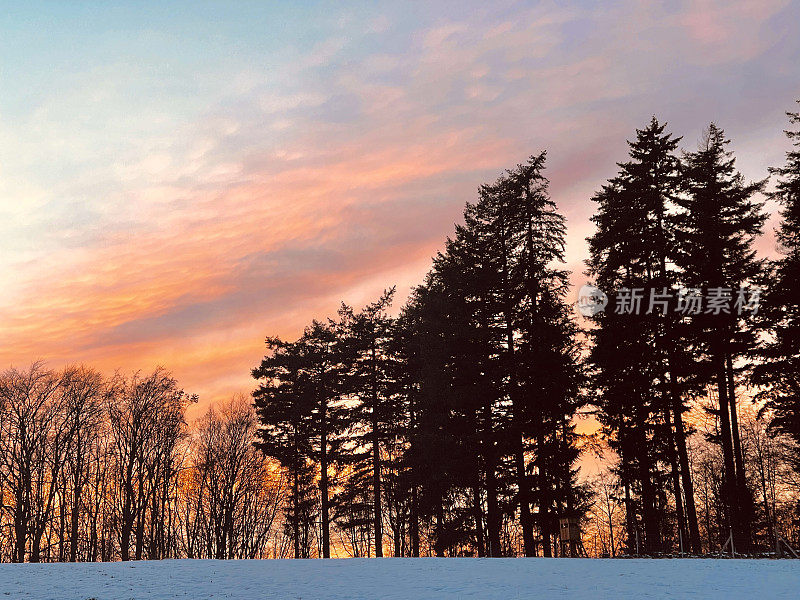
[397, 578]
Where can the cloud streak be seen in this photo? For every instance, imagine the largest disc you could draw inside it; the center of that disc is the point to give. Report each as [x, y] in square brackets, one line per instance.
[176, 205]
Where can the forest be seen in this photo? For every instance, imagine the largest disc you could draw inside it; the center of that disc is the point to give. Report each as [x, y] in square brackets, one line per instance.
[479, 416]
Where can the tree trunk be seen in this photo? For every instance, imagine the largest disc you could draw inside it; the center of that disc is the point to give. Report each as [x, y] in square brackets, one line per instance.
[743, 541]
[516, 407]
[676, 482]
[729, 481]
[649, 516]
[414, 516]
[493, 518]
[296, 519]
[376, 457]
[477, 500]
[477, 514]
[127, 526]
[323, 480]
[544, 501]
[20, 532]
[519, 441]
[414, 526]
[630, 522]
[73, 524]
[686, 474]
[438, 545]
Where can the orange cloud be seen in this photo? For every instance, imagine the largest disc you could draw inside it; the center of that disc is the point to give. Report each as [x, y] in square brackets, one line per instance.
[144, 225]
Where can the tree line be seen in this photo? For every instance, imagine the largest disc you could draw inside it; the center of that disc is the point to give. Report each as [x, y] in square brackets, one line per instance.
[98, 469]
[456, 425]
[449, 429]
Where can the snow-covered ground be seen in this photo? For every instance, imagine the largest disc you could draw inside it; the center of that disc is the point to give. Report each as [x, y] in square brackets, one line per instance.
[577, 579]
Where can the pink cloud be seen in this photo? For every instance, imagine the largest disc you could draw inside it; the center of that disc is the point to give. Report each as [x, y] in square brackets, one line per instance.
[727, 31]
[336, 175]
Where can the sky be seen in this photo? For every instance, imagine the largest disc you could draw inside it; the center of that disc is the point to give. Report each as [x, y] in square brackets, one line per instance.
[180, 180]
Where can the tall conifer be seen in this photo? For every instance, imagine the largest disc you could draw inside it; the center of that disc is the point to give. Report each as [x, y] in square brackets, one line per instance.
[636, 357]
[780, 370]
[720, 220]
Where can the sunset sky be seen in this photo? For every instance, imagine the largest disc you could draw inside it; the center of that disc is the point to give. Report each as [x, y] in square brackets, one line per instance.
[177, 182]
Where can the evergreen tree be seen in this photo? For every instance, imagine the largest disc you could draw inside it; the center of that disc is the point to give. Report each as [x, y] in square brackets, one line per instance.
[434, 461]
[454, 449]
[494, 307]
[501, 235]
[371, 418]
[717, 227]
[638, 368]
[549, 378]
[323, 362]
[780, 370]
[284, 403]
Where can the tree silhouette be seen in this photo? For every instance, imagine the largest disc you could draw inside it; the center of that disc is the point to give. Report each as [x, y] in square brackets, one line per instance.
[718, 225]
[780, 371]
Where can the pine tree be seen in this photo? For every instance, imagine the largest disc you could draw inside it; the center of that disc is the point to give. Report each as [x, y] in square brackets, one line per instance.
[548, 374]
[717, 227]
[780, 370]
[494, 305]
[455, 453]
[635, 357]
[372, 414]
[501, 237]
[432, 464]
[284, 403]
[324, 369]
